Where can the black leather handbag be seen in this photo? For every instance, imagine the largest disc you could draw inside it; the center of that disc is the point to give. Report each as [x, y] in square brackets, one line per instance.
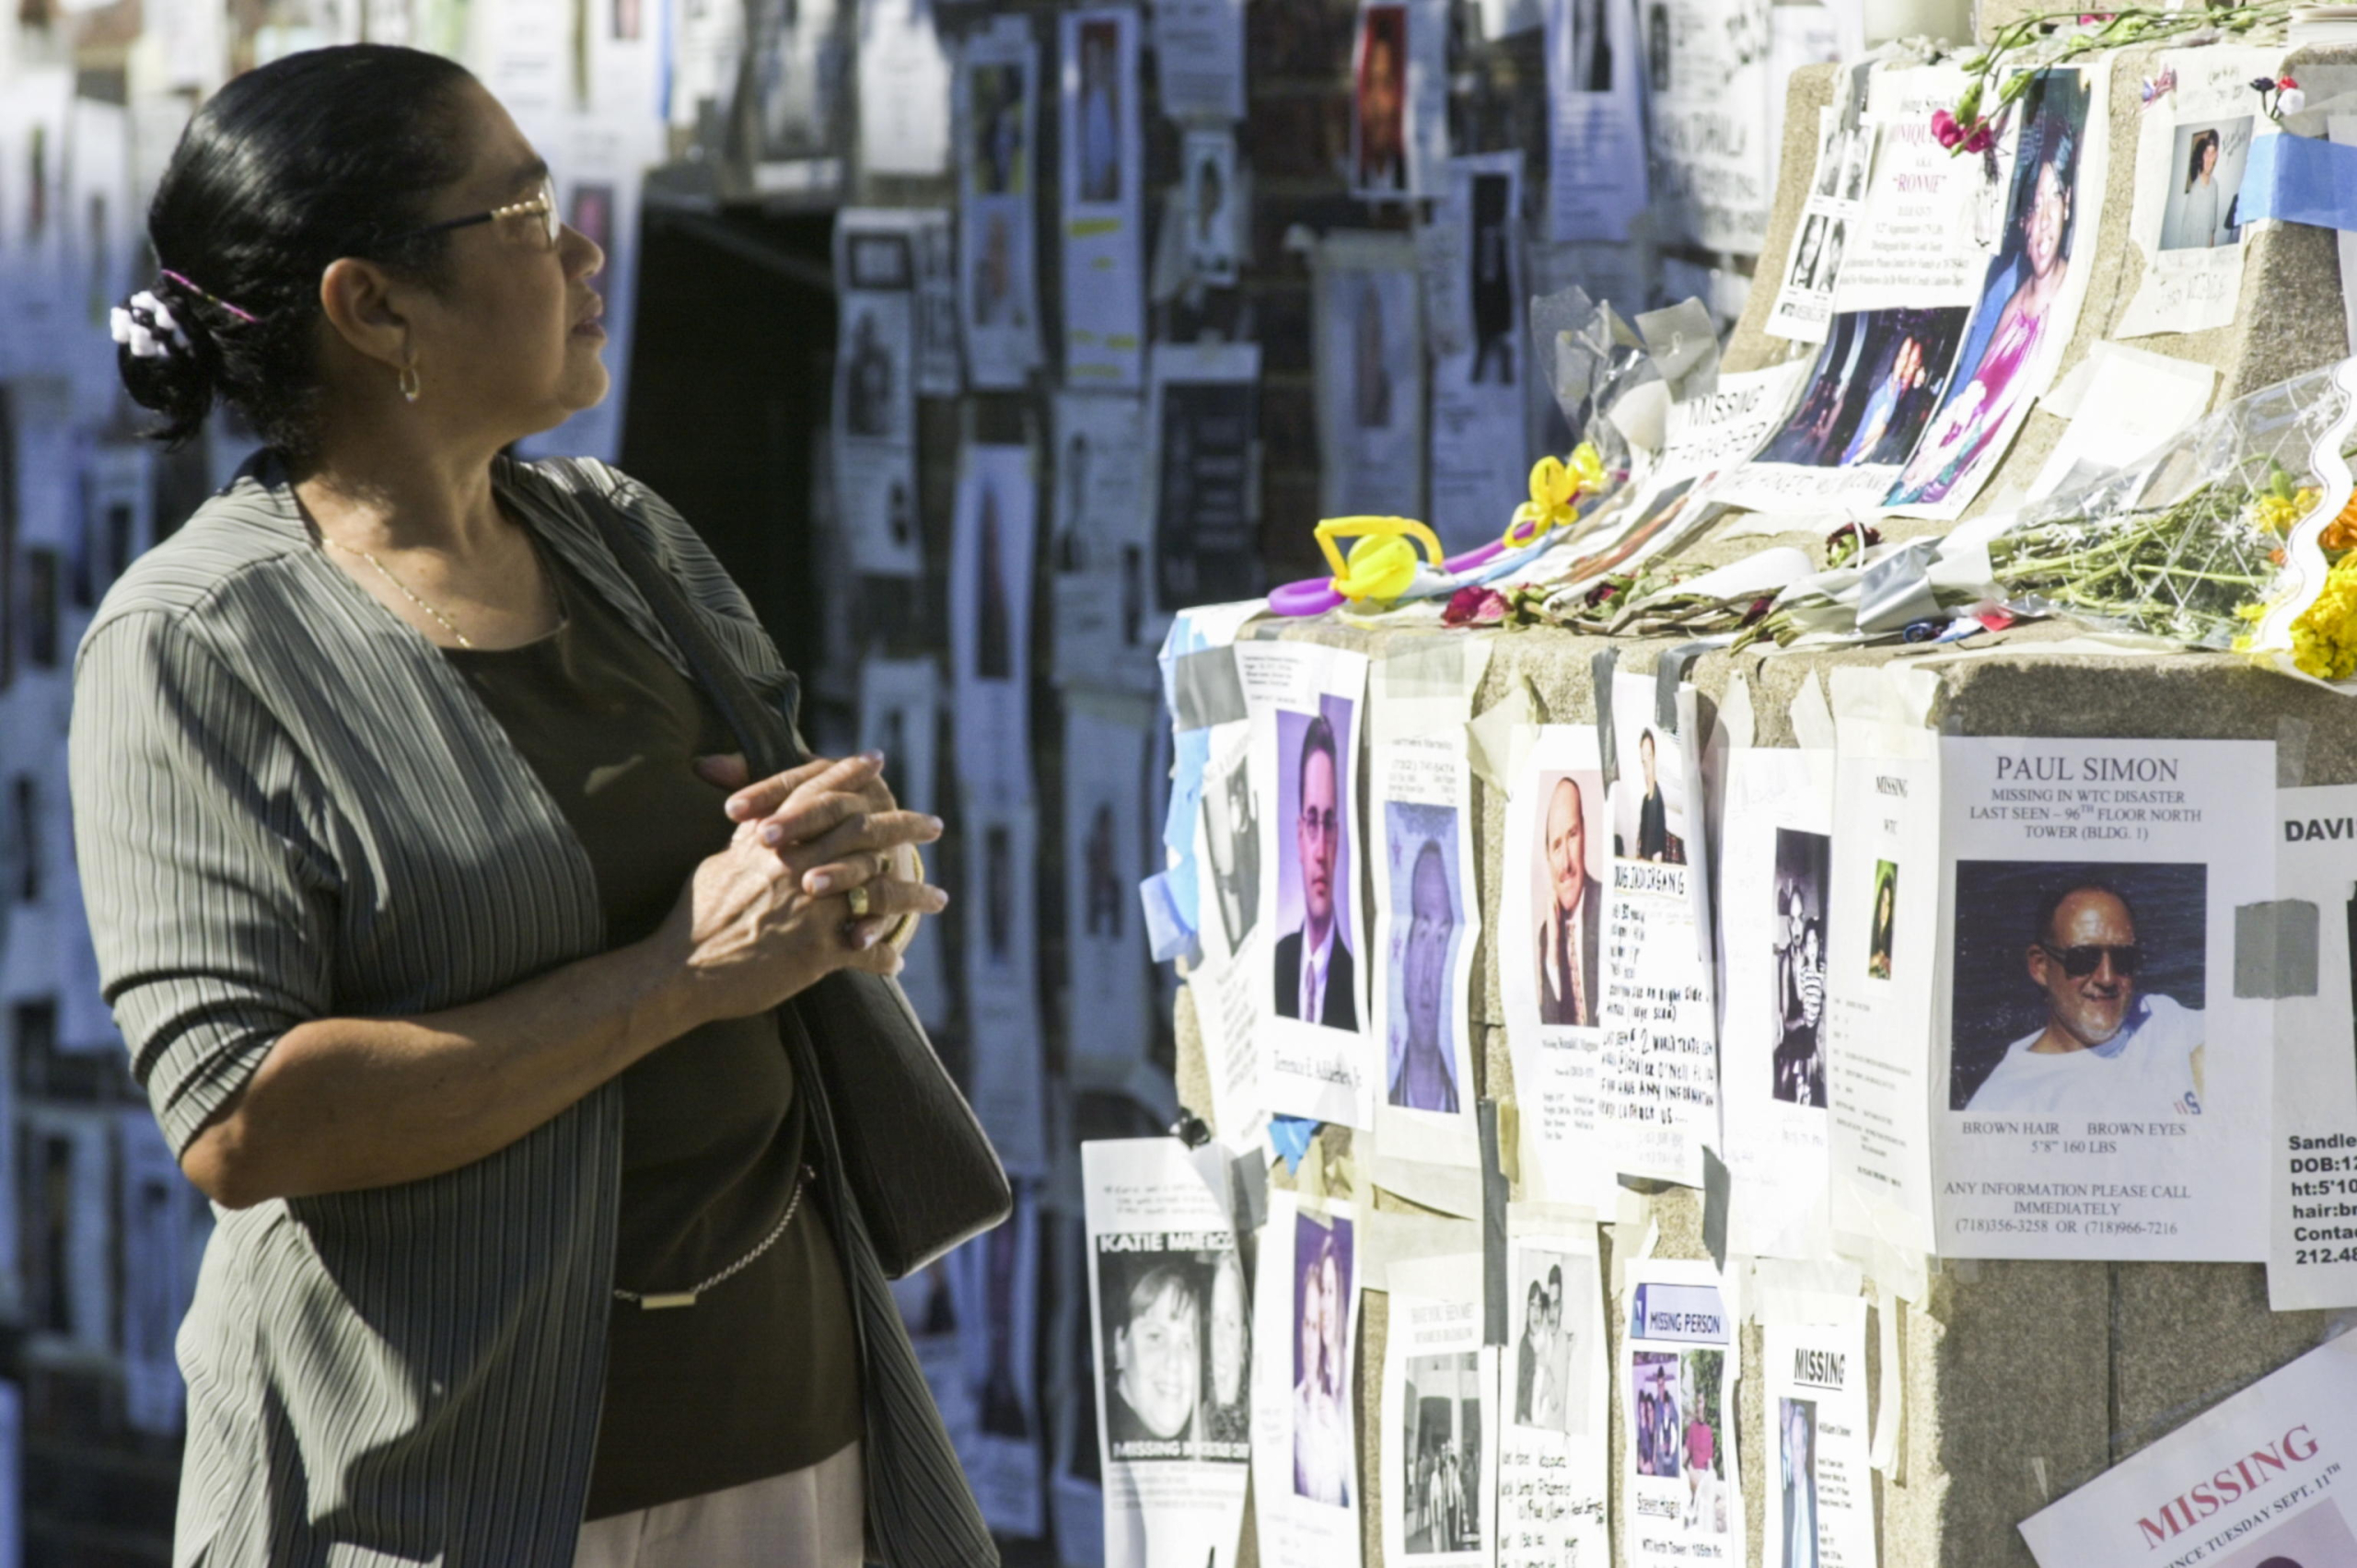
[917, 1162]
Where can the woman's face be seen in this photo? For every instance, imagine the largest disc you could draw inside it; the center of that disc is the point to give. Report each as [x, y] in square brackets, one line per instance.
[1313, 1326]
[2047, 213]
[2209, 158]
[1157, 1364]
[511, 345]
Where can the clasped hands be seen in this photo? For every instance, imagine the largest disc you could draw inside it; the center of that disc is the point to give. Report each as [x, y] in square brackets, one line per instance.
[836, 827]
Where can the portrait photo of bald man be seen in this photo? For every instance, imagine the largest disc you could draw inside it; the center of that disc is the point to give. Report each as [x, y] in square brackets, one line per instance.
[1570, 899]
[2080, 990]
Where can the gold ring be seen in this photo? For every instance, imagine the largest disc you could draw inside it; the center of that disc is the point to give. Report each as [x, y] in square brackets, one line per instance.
[858, 897]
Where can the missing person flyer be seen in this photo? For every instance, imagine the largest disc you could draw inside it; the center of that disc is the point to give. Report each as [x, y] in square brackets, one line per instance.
[2312, 1162]
[2107, 1092]
[1775, 866]
[1173, 1354]
[1226, 980]
[1820, 1494]
[1304, 1445]
[1316, 1057]
[1881, 949]
[1681, 1358]
[1428, 914]
[1439, 1437]
[2257, 1482]
[1553, 1397]
[1660, 1057]
[1550, 960]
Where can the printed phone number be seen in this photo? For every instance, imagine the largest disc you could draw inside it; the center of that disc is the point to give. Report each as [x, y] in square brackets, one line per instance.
[2323, 1255]
[2066, 1227]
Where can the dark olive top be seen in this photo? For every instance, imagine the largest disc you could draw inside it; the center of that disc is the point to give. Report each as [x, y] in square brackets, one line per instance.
[761, 1376]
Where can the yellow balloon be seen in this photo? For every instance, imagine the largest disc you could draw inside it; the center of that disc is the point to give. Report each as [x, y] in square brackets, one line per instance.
[1381, 566]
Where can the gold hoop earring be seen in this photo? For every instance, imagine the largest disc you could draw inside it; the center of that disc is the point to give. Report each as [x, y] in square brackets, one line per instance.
[408, 383]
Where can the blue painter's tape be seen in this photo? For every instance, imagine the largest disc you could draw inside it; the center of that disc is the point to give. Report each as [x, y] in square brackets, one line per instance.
[1290, 1135]
[2299, 179]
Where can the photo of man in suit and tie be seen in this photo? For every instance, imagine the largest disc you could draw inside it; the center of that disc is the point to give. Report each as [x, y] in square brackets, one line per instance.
[1314, 980]
[1572, 909]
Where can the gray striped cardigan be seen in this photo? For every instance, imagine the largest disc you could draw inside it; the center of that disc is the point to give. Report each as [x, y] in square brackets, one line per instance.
[288, 805]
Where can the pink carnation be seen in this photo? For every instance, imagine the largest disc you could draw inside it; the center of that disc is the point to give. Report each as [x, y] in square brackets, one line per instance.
[1945, 130]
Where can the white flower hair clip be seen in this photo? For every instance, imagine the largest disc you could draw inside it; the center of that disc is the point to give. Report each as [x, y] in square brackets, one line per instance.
[146, 327]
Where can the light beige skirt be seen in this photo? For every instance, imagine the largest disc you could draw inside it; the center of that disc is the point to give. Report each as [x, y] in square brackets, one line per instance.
[813, 1517]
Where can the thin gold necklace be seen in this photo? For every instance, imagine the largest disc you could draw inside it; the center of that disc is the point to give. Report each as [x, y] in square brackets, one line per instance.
[403, 587]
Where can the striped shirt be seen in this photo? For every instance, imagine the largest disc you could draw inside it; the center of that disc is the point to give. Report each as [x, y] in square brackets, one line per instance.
[288, 805]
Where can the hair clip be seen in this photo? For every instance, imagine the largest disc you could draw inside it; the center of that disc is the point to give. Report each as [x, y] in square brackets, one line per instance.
[245, 316]
[147, 327]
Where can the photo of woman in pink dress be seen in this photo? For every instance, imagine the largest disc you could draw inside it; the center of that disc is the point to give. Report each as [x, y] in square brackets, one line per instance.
[2011, 346]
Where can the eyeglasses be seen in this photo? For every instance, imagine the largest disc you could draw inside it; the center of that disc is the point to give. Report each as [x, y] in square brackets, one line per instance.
[542, 206]
[2084, 960]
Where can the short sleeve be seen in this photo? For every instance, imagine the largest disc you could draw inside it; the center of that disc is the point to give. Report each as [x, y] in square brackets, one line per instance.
[212, 909]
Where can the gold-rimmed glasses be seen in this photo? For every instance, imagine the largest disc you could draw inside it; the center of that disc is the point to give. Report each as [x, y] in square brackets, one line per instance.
[541, 205]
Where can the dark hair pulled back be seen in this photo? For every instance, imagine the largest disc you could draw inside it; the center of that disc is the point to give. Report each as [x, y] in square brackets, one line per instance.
[319, 154]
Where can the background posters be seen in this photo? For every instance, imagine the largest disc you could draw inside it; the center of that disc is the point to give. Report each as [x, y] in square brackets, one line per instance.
[1212, 205]
[1595, 134]
[875, 405]
[1204, 417]
[1176, 1388]
[1199, 54]
[899, 715]
[905, 90]
[1103, 164]
[990, 623]
[1479, 427]
[1400, 100]
[996, 1282]
[1107, 784]
[1707, 87]
[1000, 896]
[999, 289]
[1102, 536]
[1367, 324]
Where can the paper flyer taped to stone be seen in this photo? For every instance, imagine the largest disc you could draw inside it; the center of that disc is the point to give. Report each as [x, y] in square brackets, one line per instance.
[1317, 1059]
[1595, 139]
[1820, 1492]
[2103, 1093]
[1681, 1494]
[1103, 169]
[1480, 421]
[1174, 1345]
[1775, 894]
[1932, 219]
[1659, 1090]
[1550, 943]
[1199, 59]
[2312, 1160]
[1833, 210]
[1881, 949]
[1427, 923]
[998, 78]
[1304, 1337]
[1554, 1398]
[1109, 996]
[1400, 100]
[1212, 205]
[900, 715]
[875, 405]
[2029, 298]
[1204, 421]
[2193, 144]
[1230, 997]
[990, 622]
[1707, 99]
[1101, 543]
[2133, 402]
[1366, 326]
[2257, 1479]
[1438, 1440]
[995, 1282]
[998, 893]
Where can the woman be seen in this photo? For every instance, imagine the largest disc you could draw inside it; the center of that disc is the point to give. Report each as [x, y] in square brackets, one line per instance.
[2006, 376]
[1882, 938]
[444, 925]
[1321, 1455]
[2195, 223]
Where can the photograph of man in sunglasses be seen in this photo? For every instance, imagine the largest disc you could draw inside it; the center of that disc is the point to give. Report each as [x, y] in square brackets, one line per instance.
[2109, 1045]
